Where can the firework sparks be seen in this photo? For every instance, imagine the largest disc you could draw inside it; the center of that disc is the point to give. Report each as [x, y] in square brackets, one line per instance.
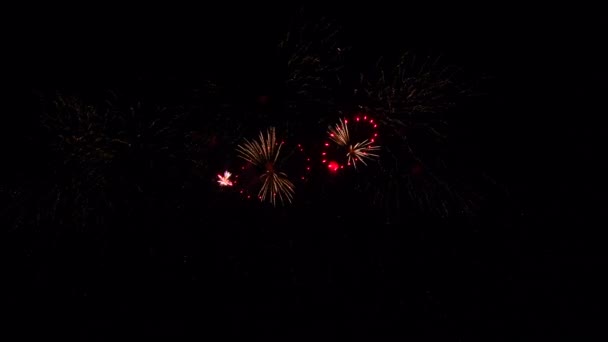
[339, 133]
[357, 152]
[261, 152]
[225, 179]
[276, 184]
[361, 151]
[264, 153]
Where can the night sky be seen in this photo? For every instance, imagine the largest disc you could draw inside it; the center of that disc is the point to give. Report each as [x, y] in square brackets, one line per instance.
[475, 222]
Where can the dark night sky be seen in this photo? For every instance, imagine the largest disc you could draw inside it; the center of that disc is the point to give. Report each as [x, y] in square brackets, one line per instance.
[520, 269]
[539, 61]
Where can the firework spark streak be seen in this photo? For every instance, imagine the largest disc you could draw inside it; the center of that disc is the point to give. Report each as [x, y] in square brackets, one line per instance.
[261, 152]
[276, 183]
[264, 153]
[339, 133]
[361, 151]
[225, 179]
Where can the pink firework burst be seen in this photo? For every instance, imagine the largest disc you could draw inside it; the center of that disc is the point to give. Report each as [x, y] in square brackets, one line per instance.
[225, 179]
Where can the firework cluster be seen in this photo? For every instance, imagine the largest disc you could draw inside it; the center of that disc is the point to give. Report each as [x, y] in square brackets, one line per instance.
[98, 150]
[264, 153]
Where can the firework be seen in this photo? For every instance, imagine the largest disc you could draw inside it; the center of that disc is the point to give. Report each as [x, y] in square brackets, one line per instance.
[361, 151]
[313, 55]
[355, 151]
[413, 98]
[276, 184]
[339, 133]
[412, 91]
[264, 153]
[225, 179]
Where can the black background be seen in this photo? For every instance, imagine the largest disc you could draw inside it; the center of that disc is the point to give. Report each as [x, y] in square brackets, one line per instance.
[523, 268]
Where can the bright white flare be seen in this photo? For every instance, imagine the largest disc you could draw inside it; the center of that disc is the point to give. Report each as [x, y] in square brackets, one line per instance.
[225, 179]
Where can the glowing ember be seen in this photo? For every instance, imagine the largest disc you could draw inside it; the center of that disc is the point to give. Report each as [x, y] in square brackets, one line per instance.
[333, 166]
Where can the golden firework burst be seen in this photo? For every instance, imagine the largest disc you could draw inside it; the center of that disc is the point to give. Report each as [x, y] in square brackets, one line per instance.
[264, 153]
[339, 133]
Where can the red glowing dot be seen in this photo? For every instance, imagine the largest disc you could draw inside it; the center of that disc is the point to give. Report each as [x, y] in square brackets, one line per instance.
[242, 168]
[241, 191]
[307, 159]
[371, 121]
[333, 166]
[326, 144]
[331, 134]
[365, 117]
[375, 126]
[248, 196]
[308, 168]
[345, 121]
[323, 153]
[302, 177]
[299, 145]
[323, 161]
[357, 118]
[375, 134]
[372, 140]
[341, 166]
